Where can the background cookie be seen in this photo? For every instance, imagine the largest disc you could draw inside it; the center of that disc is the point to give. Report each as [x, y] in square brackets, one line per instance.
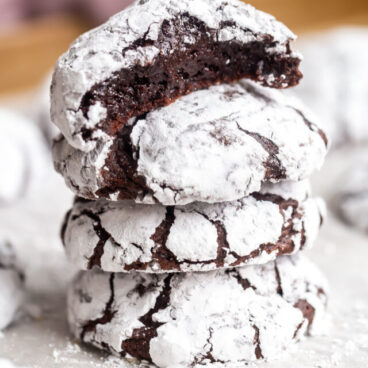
[213, 145]
[23, 156]
[335, 83]
[158, 50]
[232, 316]
[351, 201]
[11, 285]
[41, 110]
[123, 236]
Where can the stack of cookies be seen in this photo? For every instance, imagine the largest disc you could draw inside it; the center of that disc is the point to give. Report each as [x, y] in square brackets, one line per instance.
[190, 171]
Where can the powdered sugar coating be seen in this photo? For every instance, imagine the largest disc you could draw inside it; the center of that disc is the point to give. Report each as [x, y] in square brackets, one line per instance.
[4, 363]
[123, 236]
[11, 285]
[23, 156]
[212, 146]
[94, 56]
[233, 316]
[335, 82]
[351, 200]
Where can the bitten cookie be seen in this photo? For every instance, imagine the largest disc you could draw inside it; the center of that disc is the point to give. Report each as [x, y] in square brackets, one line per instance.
[23, 156]
[123, 236]
[212, 146]
[336, 82]
[185, 320]
[11, 285]
[351, 201]
[159, 50]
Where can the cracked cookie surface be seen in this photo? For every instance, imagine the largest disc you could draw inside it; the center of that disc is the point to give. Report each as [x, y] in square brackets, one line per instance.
[212, 146]
[233, 316]
[11, 285]
[123, 236]
[159, 50]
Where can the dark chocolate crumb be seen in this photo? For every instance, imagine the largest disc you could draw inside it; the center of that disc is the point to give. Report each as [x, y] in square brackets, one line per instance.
[138, 344]
[207, 61]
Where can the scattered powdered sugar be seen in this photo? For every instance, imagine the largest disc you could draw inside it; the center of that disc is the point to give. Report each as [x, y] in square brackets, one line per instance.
[222, 316]
[213, 145]
[193, 234]
[94, 56]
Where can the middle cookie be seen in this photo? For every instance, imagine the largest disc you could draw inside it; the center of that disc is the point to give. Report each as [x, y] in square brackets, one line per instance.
[123, 236]
[214, 145]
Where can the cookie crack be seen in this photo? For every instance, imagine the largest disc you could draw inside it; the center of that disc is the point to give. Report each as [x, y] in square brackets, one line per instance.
[222, 242]
[257, 343]
[138, 345]
[120, 169]
[95, 259]
[307, 310]
[203, 359]
[312, 127]
[298, 328]
[65, 226]
[107, 315]
[161, 254]
[284, 244]
[244, 283]
[278, 280]
[273, 166]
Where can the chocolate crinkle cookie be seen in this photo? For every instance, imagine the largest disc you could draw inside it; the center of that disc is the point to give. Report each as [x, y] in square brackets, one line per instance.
[186, 320]
[351, 200]
[123, 236]
[11, 285]
[24, 157]
[213, 145]
[336, 82]
[159, 50]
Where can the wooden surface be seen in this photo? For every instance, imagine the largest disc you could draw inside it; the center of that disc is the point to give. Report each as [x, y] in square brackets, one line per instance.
[310, 15]
[29, 51]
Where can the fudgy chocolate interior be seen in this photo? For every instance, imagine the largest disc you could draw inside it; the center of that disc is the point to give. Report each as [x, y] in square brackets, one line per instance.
[120, 171]
[183, 67]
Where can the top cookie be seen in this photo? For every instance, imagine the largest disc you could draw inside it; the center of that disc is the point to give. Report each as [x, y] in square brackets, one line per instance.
[158, 50]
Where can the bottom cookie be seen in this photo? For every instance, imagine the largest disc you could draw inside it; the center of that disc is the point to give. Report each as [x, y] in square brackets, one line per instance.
[184, 320]
[11, 285]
